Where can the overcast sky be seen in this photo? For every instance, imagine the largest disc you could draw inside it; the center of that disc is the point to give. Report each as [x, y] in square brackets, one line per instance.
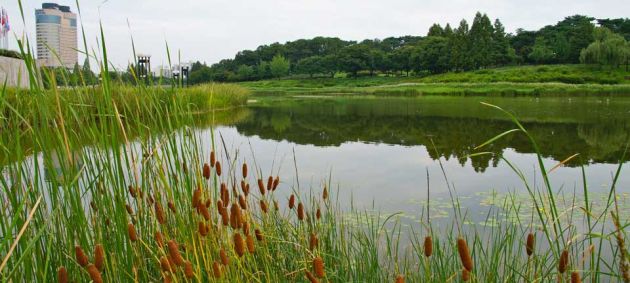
[211, 30]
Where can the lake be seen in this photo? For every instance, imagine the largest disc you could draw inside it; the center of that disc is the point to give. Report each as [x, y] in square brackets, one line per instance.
[377, 151]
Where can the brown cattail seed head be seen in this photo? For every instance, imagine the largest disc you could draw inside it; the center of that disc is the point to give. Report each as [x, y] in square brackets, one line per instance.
[225, 217]
[204, 211]
[168, 278]
[564, 262]
[250, 244]
[129, 210]
[196, 198]
[311, 278]
[276, 206]
[325, 193]
[62, 275]
[206, 171]
[276, 182]
[165, 264]
[159, 213]
[300, 211]
[531, 243]
[313, 242]
[270, 183]
[244, 188]
[218, 168]
[225, 260]
[261, 187]
[400, 279]
[95, 275]
[242, 202]
[263, 206]
[158, 239]
[318, 214]
[318, 267]
[131, 230]
[235, 216]
[291, 201]
[171, 206]
[201, 227]
[213, 158]
[173, 251]
[82, 259]
[465, 275]
[216, 269]
[244, 170]
[239, 246]
[132, 191]
[575, 277]
[428, 246]
[188, 270]
[259, 235]
[464, 254]
[99, 257]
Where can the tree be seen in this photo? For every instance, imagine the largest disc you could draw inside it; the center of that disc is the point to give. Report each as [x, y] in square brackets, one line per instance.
[353, 59]
[311, 66]
[401, 59]
[245, 72]
[541, 53]
[433, 55]
[460, 48]
[481, 43]
[279, 66]
[609, 49]
[502, 52]
[436, 30]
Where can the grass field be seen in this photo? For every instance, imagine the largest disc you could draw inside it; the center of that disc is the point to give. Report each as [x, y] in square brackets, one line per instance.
[548, 80]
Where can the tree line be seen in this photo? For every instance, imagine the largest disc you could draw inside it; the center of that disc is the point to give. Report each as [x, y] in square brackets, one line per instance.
[482, 44]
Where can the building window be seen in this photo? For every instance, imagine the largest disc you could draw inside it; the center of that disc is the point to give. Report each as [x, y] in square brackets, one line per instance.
[48, 19]
[73, 23]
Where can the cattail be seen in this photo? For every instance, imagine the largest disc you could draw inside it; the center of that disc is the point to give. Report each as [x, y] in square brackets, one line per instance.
[531, 243]
[171, 206]
[171, 262]
[318, 214]
[564, 261]
[168, 278]
[242, 202]
[259, 235]
[239, 246]
[158, 239]
[276, 182]
[62, 275]
[465, 275]
[159, 213]
[93, 205]
[129, 210]
[300, 211]
[428, 246]
[204, 212]
[244, 188]
[244, 170]
[225, 260]
[188, 270]
[173, 251]
[575, 277]
[249, 240]
[213, 158]
[206, 171]
[95, 275]
[151, 200]
[313, 242]
[235, 216]
[263, 206]
[219, 206]
[99, 257]
[131, 230]
[464, 254]
[291, 202]
[311, 277]
[325, 193]
[276, 206]
[82, 259]
[201, 227]
[216, 269]
[218, 168]
[225, 217]
[246, 228]
[400, 279]
[165, 264]
[270, 183]
[196, 198]
[261, 187]
[132, 191]
[184, 167]
[318, 267]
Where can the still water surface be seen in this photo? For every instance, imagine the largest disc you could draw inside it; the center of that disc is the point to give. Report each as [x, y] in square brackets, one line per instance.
[376, 151]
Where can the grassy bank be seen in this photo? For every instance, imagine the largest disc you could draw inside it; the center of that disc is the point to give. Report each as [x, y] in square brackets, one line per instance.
[572, 80]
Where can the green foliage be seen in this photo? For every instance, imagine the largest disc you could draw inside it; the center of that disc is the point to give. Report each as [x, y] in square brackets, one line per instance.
[541, 53]
[609, 49]
[279, 66]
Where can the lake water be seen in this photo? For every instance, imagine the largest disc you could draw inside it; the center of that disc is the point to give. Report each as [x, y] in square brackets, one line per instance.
[376, 151]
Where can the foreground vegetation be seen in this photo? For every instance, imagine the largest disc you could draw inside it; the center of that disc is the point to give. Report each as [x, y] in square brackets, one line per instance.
[547, 80]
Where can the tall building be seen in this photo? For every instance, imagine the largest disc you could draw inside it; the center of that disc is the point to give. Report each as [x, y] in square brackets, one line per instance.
[56, 36]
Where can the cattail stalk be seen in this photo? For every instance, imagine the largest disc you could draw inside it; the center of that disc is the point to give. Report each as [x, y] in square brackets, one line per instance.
[464, 254]
[318, 267]
[564, 262]
[313, 242]
[300, 211]
[428, 246]
[311, 278]
[131, 231]
[250, 244]
[216, 269]
[173, 251]
[239, 246]
[225, 260]
[95, 275]
[99, 257]
[62, 275]
[82, 259]
[188, 270]
[244, 170]
[206, 171]
[531, 243]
